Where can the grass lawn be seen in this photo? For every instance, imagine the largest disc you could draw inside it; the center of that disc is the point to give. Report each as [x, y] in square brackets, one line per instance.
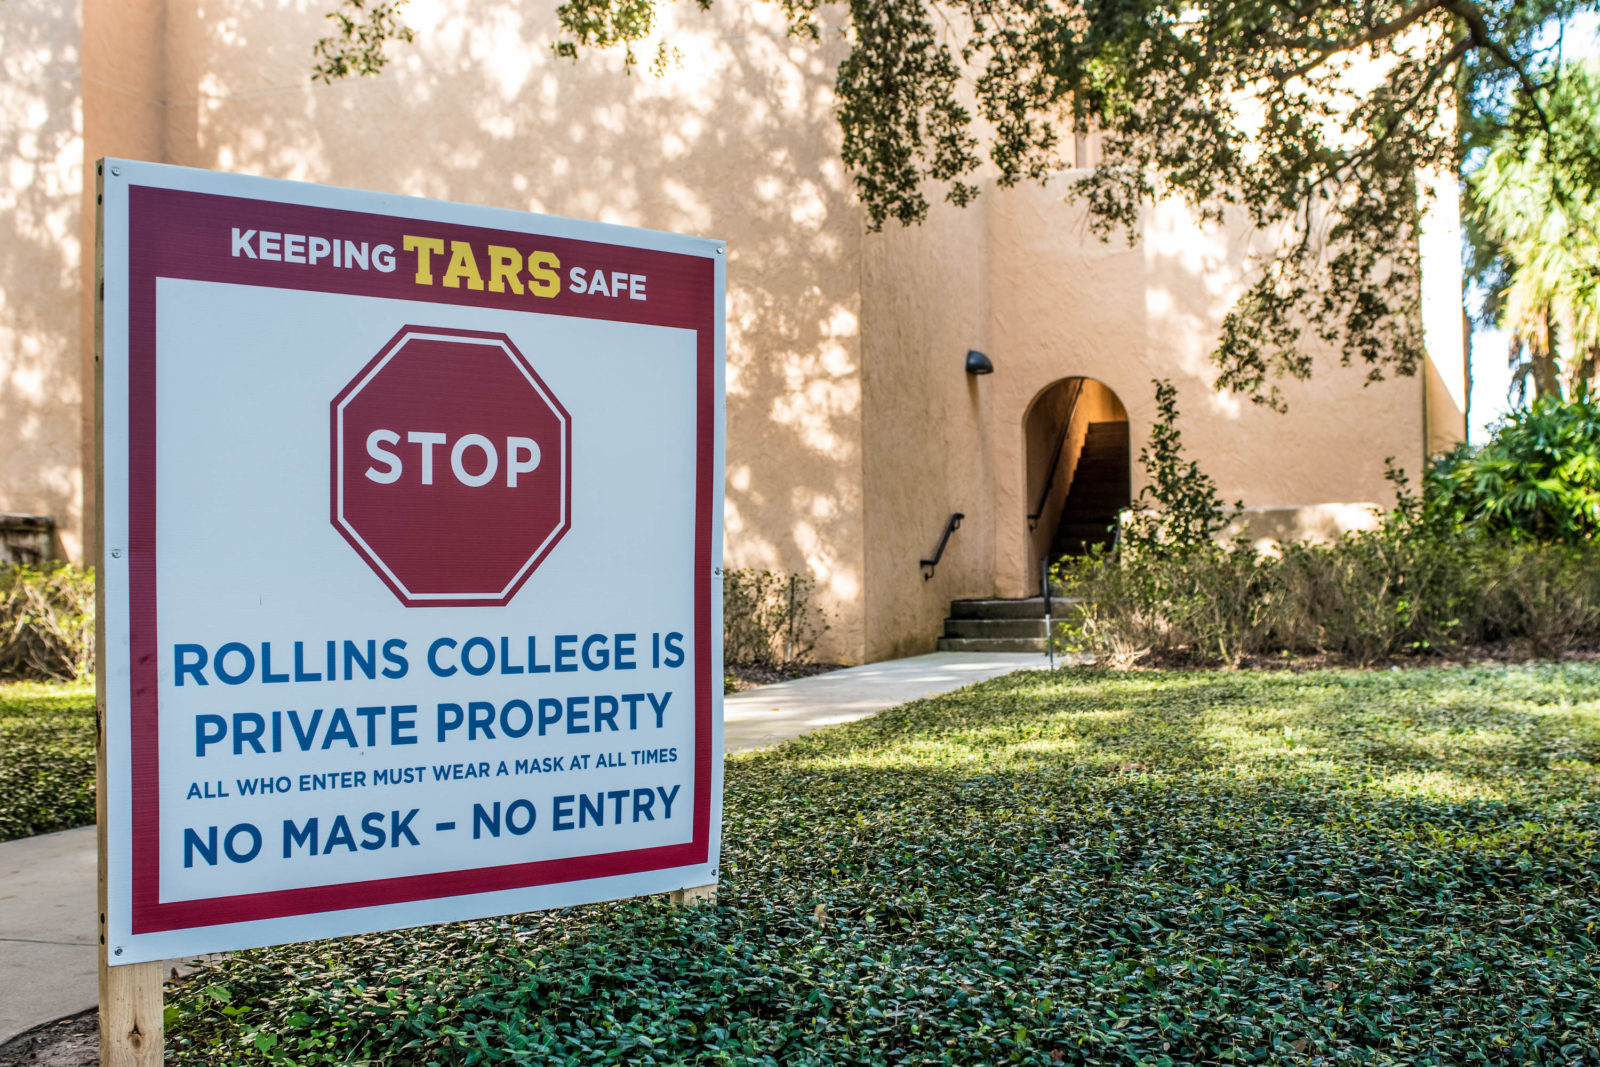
[1085, 867]
[46, 757]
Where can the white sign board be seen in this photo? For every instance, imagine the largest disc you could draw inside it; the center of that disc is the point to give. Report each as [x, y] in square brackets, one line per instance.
[410, 518]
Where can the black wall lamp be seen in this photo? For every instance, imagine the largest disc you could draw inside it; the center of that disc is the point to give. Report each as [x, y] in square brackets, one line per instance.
[978, 363]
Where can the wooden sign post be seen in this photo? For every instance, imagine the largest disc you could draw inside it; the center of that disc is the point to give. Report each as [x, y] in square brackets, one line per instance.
[367, 656]
[131, 1011]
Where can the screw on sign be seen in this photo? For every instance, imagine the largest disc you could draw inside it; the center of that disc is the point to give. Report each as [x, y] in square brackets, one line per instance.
[451, 467]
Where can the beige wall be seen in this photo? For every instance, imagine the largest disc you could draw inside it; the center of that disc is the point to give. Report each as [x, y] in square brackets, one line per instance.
[929, 425]
[1019, 276]
[739, 143]
[41, 254]
[1446, 381]
[853, 429]
[124, 115]
[1268, 529]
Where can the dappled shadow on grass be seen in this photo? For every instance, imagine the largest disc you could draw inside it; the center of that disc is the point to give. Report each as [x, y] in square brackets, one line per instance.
[1525, 734]
[1080, 868]
[46, 757]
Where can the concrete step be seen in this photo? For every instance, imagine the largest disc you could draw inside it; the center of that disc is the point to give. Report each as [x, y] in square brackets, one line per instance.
[994, 627]
[992, 644]
[996, 608]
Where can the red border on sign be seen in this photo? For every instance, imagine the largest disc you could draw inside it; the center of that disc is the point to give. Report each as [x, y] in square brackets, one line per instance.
[186, 235]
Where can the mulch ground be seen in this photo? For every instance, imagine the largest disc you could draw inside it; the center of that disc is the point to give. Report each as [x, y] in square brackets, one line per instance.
[749, 677]
[70, 1042]
[1475, 656]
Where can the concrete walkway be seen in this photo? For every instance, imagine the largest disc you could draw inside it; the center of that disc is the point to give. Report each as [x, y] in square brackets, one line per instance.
[775, 713]
[47, 883]
[48, 959]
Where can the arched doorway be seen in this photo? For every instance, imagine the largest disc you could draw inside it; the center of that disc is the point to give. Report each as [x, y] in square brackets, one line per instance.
[1078, 466]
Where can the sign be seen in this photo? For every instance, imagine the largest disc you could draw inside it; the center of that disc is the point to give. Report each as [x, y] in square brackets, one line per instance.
[410, 518]
[403, 506]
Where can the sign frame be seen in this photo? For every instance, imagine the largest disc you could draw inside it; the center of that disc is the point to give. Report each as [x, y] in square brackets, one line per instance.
[134, 248]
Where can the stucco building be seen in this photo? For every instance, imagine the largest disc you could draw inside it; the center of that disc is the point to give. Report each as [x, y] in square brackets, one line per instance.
[854, 428]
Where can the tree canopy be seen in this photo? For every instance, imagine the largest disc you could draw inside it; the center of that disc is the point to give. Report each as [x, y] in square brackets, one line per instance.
[1247, 108]
[1536, 211]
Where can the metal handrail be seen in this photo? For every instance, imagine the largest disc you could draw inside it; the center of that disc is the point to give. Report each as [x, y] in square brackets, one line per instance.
[950, 527]
[1055, 457]
[1044, 583]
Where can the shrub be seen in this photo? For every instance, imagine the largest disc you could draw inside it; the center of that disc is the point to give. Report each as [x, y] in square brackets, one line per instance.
[1418, 584]
[768, 619]
[1547, 596]
[46, 622]
[1537, 478]
[1179, 506]
[1366, 598]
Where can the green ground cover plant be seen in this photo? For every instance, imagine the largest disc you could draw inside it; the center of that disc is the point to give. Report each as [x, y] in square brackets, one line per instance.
[1083, 867]
[46, 757]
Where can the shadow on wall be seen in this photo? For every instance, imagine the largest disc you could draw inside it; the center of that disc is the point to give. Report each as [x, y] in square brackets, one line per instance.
[40, 141]
[1128, 315]
[739, 143]
[1339, 425]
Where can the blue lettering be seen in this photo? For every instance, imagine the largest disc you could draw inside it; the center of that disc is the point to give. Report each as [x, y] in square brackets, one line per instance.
[266, 665]
[433, 652]
[622, 646]
[506, 666]
[182, 665]
[208, 730]
[397, 663]
[488, 656]
[243, 651]
[451, 716]
[206, 848]
[300, 672]
[354, 659]
[403, 724]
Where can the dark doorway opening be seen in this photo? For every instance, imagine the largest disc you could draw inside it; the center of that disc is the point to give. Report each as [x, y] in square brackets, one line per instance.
[1079, 464]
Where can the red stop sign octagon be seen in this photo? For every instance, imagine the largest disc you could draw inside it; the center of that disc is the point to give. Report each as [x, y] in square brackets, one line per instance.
[451, 467]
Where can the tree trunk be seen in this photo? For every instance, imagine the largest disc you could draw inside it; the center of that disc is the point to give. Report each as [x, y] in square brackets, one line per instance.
[1584, 372]
[1542, 357]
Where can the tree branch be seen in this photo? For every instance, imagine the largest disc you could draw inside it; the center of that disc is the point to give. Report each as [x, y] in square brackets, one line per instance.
[1326, 49]
[1480, 35]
